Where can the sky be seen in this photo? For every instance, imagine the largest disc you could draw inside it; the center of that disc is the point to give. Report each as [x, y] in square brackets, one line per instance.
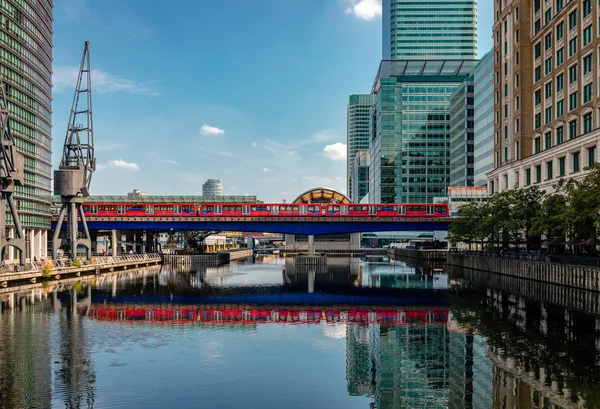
[253, 92]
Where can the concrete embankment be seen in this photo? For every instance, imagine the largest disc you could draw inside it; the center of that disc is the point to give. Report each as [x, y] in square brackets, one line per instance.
[421, 255]
[64, 268]
[222, 257]
[586, 278]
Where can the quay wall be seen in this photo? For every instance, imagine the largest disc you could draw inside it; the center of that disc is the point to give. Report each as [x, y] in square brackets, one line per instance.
[422, 255]
[582, 277]
[219, 258]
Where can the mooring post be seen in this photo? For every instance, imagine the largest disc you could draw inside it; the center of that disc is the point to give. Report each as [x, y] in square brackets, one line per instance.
[311, 244]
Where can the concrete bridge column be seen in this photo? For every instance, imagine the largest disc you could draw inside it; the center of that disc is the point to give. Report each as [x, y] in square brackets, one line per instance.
[114, 242]
[94, 241]
[311, 244]
[130, 239]
[45, 243]
[311, 281]
[139, 241]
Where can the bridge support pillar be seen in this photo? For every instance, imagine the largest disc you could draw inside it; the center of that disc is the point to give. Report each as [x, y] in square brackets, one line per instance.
[114, 243]
[311, 244]
[311, 281]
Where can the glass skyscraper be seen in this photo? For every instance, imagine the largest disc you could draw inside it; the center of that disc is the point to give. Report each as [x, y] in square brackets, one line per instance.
[429, 29]
[409, 152]
[483, 79]
[358, 135]
[26, 67]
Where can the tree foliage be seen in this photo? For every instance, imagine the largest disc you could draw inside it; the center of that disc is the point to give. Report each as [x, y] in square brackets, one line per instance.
[528, 218]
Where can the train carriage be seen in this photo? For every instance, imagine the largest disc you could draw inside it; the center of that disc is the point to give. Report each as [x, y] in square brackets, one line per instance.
[386, 210]
[260, 210]
[139, 210]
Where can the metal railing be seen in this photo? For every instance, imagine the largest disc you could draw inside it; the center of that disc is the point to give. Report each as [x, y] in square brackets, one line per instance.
[65, 262]
[590, 261]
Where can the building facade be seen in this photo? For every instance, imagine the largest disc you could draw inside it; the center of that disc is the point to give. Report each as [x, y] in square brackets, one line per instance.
[429, 29]
[409, 151]
[212, 187]
[26, 68]
[462, 135]
[359, 179]
[483, 117]
[563, 97]
[358, 133]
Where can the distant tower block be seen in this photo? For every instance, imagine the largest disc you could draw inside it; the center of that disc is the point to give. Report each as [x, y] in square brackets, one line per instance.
[212, 187]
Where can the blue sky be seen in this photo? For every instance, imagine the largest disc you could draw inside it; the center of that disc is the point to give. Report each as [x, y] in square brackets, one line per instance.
[250, 91]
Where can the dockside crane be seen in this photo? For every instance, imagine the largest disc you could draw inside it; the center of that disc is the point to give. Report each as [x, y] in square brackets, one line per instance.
[11, 174]
[73, 177]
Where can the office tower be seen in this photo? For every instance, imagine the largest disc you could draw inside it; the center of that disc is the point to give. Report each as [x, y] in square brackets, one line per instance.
[483, 81]
[26, 67]
[544, 51]
[212, 187]
[358, 134]
[409, 150]
[462, 134]
[359, 179]
[429, 30]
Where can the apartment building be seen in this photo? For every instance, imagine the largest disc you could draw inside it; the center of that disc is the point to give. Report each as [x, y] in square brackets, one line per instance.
[547, 105]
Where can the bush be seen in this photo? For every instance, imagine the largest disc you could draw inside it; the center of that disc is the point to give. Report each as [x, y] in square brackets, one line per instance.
[76, 263]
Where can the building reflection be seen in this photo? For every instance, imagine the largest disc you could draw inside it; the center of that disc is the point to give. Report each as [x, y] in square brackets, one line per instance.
[25, 347]
[417, 366]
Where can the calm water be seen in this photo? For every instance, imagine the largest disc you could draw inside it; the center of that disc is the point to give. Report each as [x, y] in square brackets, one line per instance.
[161, 339]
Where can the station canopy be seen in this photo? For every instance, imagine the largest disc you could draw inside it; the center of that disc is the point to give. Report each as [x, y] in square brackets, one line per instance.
[322, 195]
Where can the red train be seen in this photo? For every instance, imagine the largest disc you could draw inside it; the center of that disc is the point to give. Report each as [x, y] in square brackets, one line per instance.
[264, 210]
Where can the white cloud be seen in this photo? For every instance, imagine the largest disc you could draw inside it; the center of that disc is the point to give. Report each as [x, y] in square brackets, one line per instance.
[64, 78]
[365, 9]
[318, 180]
[336, 151]
[267, 170]
[169, 161]
[211, 130]
[254, 144]
[120, 163]
[100, 166]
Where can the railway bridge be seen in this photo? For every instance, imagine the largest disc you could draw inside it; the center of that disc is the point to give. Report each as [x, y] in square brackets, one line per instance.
[348, 228]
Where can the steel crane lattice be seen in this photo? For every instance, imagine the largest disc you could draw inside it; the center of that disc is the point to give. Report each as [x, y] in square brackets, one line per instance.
[73, 177]
[11, 174]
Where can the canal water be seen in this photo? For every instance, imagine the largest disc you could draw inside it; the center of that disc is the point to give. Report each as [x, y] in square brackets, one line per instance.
[270, 333]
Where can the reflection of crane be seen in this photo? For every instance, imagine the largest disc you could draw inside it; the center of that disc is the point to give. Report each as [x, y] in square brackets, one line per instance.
[11, 173]
[74, 174]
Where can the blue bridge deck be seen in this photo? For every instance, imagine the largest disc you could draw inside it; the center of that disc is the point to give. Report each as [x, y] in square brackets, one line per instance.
[284, 225]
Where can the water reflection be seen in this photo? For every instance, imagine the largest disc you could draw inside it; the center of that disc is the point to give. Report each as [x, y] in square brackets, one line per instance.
[78, 344]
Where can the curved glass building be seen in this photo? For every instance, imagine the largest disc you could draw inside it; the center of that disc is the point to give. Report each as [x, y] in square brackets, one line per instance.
[429, 29]
[26, 67]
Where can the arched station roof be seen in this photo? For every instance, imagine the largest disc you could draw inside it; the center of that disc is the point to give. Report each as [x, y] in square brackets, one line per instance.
[322, 195]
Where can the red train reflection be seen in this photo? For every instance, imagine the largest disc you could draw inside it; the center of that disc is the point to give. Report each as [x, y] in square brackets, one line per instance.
[219, 315]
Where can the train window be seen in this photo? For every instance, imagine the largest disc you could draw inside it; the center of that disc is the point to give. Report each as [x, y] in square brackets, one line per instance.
[402, 209]
[294, 208]
[121, 209]
[188, 209]
[429, 209]
[93, 209]
[335, 208]
[218, 209]
[344, 210]
[303, 210]
[237, 208]
[372, 210]
[209, 208]
[149, 209]
[268, 208]
[275, 210]
[246, 209]
[177, 209]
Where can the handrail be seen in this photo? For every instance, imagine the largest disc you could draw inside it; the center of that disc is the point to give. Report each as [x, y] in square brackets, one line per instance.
[65, 262]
